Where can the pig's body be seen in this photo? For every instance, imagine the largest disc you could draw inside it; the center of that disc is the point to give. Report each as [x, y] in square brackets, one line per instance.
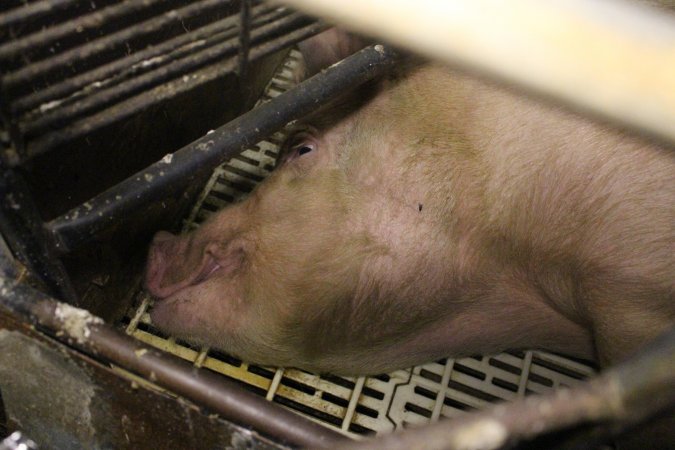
[444, 217]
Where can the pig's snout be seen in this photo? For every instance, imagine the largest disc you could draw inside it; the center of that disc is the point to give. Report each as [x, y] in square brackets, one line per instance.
[164, 246]
[176, 262]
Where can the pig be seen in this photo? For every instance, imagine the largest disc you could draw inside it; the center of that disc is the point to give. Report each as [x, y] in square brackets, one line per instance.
[426, 215]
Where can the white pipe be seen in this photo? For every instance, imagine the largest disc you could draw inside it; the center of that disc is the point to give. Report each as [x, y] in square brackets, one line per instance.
[610, 57]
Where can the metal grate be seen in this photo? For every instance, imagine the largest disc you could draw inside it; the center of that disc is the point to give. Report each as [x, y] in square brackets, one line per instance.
[70, 67]
[364, 405]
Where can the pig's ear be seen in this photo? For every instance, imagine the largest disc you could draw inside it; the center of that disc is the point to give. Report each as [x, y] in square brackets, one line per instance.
[328, 48]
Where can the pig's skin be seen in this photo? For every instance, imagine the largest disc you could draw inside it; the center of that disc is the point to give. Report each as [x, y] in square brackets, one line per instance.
[445, 217]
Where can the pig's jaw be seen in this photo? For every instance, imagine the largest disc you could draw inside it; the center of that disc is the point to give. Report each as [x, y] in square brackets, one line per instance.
[198, 310]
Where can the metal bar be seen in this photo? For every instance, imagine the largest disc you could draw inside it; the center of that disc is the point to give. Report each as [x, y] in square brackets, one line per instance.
[78, 328]
[17, 47]
[244, 37]
[8, 265]
[27, 74]
[21, 226]
[610, 57]
[173, 172]
[620, 398]
[130, 63]
[168, 90]
[189, 58]
[33, 10]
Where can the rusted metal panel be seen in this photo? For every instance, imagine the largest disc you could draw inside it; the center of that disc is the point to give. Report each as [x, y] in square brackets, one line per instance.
[87, 333]
[64, 399]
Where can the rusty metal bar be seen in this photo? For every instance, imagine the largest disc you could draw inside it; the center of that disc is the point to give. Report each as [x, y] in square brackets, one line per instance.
[131, 106]
[171, 88]
[17, 47]
[22, 227]
[78, 328]
[33, 10]
[244, 37]
[129, 63]
[620, 398]
[214, 48]
[169, 175]
[613, 58]
[117, 40]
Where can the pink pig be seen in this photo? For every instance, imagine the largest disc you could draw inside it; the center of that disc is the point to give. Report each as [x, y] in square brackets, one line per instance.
[428, 215]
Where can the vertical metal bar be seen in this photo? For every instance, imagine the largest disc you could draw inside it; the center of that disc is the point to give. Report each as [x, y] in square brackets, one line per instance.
[8, 267]
[244, 36]
[22, 227]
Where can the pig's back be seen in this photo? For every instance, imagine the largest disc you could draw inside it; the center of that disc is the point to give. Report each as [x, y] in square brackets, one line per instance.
[579, 211]
[592, 201]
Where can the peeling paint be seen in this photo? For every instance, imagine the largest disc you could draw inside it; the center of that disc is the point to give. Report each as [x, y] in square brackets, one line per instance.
[76, 321]
[203, 146]
[241, 439]
[50, 105]
[12, 202]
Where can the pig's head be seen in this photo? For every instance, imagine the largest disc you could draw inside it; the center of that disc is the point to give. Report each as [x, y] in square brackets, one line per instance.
[255, 273]
[317, 267]
[292, 273]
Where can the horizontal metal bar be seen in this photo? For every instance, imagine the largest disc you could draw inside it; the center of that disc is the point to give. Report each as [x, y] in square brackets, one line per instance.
[78, 328]
[27, 74]
[129, 63]
[611, 57]
[618, 399]
[93, 20]
[171, 174]
[165, 91]
[209, 50]
[33, 10]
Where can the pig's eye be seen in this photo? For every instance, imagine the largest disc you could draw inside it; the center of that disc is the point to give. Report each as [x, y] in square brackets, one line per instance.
[299, 144]
[304, 147]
